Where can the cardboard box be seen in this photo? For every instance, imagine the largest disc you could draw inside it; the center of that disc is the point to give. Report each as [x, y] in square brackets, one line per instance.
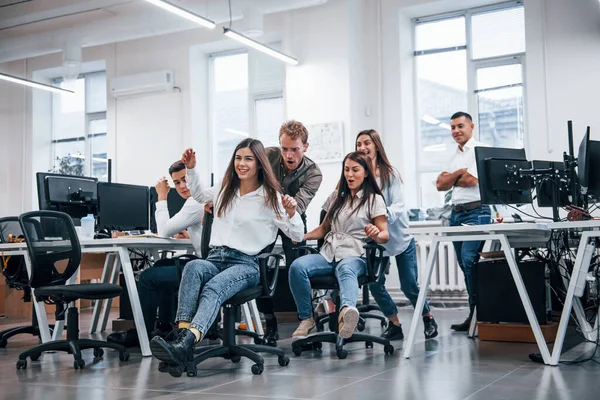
[521, 333]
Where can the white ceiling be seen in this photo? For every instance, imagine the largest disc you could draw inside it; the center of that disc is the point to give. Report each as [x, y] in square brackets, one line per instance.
[30, 28]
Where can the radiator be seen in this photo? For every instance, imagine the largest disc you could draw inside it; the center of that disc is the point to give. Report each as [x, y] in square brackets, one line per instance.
[447, 275]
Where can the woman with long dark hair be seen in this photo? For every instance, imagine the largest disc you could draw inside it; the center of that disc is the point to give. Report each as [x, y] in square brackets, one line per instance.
[355, 212]
[401, 245]
[249, 210]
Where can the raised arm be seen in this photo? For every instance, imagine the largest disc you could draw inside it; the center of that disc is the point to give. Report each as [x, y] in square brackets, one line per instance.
[200, 194]
[189, 215]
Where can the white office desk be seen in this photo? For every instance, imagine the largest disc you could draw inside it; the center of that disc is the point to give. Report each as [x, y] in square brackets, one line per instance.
[117, 259]
[511, 236]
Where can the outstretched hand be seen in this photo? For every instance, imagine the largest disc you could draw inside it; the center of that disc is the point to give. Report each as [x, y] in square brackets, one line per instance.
[189, 158]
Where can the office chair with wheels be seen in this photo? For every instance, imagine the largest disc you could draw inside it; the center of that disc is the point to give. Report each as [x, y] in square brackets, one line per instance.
[230, 350]
[375, 267]
[55, 256]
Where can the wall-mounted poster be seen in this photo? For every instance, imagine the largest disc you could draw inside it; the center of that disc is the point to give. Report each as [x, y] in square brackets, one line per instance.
[326, 142]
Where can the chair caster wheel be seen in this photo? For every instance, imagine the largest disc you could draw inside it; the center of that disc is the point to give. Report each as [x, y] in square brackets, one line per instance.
[35, 356]
[388, 349]
[360, 326]
[192, 373]
[297, 351]
[283, 360]
[21, 364]
[258, 369]
[79, 364]
[384, 324]
[258, 340]
[369, 345]
[342, 354]
[236, 359]
[3, 342]
[317, 346]
[98, 353]
[124, 356]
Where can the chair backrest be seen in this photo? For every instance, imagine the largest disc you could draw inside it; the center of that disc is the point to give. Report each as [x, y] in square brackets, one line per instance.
[53, 247]
[206, 230]
[13, 267]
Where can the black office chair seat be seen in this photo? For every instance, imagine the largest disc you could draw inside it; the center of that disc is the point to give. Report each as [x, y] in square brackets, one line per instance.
[89, 291]
[245, 296]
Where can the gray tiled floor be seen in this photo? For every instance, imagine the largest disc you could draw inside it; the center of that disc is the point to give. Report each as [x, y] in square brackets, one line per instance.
[448, 367]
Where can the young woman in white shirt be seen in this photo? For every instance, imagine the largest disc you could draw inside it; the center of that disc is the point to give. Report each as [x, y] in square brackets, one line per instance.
[249, 210]
[401, 245]
[355, 211]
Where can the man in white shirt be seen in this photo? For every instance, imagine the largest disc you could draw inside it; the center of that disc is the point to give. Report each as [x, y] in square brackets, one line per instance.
[466, 201]
[157, 286]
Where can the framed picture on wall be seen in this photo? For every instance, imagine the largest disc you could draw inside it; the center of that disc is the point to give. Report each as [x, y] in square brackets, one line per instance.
[326, 142]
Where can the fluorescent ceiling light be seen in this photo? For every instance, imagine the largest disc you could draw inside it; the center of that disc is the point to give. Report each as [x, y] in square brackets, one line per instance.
[165, 5]
[259, 46]
[445, 126]
[237, 132]
[33, 84]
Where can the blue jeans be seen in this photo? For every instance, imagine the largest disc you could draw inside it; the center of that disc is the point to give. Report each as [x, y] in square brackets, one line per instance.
[346, 271]
[157, 288]
[207, 284]
[408, 274]
[467, 253]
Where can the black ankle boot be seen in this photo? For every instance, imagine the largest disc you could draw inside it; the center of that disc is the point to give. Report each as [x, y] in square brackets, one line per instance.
[175, 353]
[271, 336]
[463, 327]
[431, 328]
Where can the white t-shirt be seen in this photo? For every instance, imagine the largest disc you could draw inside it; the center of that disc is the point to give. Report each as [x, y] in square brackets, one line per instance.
[465, 159]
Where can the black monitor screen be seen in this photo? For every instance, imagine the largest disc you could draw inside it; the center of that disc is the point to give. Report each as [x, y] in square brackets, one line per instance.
[122, 207]
[583, 161]
[497, 170]
[174, 204]
[74, 195]
[544, 185]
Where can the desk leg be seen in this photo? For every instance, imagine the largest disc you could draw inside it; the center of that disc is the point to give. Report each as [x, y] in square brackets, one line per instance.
[135, 301]
[566, 313]
[473, 325]
[533, 322]
[114, 276]
[435, 245]
[256, 318]
[248, 318]
[98, 305]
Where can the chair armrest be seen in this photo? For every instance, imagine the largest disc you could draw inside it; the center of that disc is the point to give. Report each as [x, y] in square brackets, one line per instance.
[307, 249]
[268, 274]
[375, 261]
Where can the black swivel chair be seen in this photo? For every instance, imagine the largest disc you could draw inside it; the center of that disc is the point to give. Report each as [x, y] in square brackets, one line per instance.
[375, 267]
[364, 309]
[55, 256]
[229, 349]
[15, 273]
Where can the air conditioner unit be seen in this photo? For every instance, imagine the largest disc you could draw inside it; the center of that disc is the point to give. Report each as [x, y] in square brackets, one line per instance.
[148, 82]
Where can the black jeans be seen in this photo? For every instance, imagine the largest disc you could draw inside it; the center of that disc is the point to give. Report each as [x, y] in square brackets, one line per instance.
[157, 288]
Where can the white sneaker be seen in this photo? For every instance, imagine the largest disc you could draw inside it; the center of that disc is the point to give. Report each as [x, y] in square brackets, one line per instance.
[347, 321]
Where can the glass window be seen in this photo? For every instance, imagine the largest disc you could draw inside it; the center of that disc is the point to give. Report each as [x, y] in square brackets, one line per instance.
[442, 90]
[79, 128]
[498, 33]
[269, 115]
[230, 108]
[440, 34]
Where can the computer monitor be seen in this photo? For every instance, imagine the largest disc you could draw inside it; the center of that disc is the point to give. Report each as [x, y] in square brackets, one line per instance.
[123, 207]
[74, 195]
[499, 178]
[544, 185]
[588, 165]
[174, 204]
